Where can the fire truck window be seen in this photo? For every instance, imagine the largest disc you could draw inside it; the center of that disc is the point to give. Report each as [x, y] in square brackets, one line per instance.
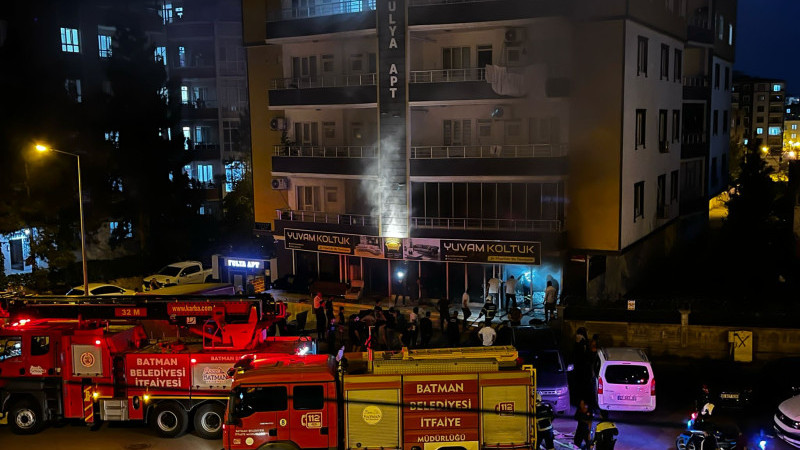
[248, 400]
[10, 347]
[40, 345]
[308, 397]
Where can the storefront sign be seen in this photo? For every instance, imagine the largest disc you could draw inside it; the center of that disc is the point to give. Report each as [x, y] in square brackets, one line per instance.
[509, 252]
[320, 241]
[244, 263]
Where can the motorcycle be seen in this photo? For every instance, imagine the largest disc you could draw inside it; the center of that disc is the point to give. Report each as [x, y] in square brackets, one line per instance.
[704, 434]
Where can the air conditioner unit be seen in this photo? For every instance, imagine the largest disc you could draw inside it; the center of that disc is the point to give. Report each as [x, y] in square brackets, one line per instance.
[515, 36]
[280, 183]
[278, 124]
[663, 146]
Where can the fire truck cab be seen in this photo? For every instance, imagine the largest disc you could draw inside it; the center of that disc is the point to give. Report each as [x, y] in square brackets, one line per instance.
[413, 401]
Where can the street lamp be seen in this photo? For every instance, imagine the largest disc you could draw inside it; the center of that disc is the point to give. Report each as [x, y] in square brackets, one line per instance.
[44, 148]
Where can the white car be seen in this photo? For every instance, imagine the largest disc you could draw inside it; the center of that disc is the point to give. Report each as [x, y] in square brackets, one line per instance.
[185, 272]
[787, 421]
[100, 289]
[624, 380]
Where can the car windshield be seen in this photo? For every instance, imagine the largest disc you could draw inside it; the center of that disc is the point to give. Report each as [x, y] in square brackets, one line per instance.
[627, 374]
[170, 271]
[545, 361]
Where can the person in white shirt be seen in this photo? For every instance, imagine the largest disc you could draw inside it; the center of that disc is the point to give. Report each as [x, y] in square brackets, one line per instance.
[511, 293]
[487, 335]
[549, 302]
[494, 287]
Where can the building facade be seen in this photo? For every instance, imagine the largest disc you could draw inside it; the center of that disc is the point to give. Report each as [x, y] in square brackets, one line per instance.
[761, 106]
[398, 140]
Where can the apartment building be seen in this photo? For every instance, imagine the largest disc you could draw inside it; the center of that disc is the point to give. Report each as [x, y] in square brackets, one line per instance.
[761, 106]
[424, 147]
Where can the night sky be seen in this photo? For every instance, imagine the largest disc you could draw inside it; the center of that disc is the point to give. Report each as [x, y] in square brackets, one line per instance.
[768, 40]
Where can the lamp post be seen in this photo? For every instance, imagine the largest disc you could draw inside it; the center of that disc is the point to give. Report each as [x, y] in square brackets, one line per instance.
[44, 148]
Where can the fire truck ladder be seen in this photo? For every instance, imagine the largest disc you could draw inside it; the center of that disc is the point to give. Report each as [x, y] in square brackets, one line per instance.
[468, 359]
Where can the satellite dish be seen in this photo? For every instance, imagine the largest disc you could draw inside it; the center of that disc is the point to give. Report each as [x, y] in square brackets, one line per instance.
[497, 112]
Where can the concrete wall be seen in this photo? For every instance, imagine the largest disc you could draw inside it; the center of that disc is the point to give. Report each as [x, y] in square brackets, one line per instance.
[688, 341]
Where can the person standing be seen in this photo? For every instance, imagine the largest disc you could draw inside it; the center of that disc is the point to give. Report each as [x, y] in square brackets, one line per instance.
[544, 424]
[549, 302]
[489, 310]
[511, 293]
[354, 332]
[319, 311]
[426, 329]
[583, 431]
[444, 311]
[465, 308]
[413, 330]
[487, 334]
[493, 288]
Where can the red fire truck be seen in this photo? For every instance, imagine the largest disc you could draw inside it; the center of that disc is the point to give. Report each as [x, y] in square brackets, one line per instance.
[464, 399]
[168, 373]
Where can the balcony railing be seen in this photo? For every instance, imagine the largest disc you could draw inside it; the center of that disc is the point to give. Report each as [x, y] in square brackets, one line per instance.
[486, 224]
[490, 151]
[363, 79]
[327, 151]
[695, 81]
[447, 75]
[316, 8]
[694, 138]
[700, 21]
[204, 146]
[323, 217]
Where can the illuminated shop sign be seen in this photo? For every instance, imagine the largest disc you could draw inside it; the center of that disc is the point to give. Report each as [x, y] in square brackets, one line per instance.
[245, 263]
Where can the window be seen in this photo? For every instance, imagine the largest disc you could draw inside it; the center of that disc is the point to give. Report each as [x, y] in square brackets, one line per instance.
[166, 13]
[308, 397]
[760, 108]
[664, 62]
[69, 40]
[641, 57]
[457, 132]
[116, 184]
[113, 137]
[661, 196]
[720, 27]
[17, 254]
[485, 128]
[187, 138]
[161, 54]
[456, 58]
[327, 63]
[759, 130]
[245, 401]
[10, 347]
[641, 125]
[730, 34]
[73, 88]
[725, 121]
[623, 374]
[638, 200]
[794, 126]
[676, 125]
[356, 62]
[776, 88]
[181, 56]
[774, 131]
[662, 125]
[716, 76]
[104, 45]
[727, 78]
[329, 130]
[205, 173]
[306, 66]
[187, 169]
[331, 194]
[678, 65]
[308, 198]
[760, 119]
[185, 95]
[715, 122]
[231, 139]
[674, 185]
[202, 135]
[234, 173]
[40, 345]
[179, 12]
[122, 230]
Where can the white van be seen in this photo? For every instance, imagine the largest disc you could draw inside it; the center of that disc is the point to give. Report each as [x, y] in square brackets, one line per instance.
[624, 380]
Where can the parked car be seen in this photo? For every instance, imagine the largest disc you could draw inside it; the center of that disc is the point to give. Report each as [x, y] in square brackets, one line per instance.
[185, 272]
[294, 283]
[100, 289]
[538, 346]
[787, 421]
[624, 380]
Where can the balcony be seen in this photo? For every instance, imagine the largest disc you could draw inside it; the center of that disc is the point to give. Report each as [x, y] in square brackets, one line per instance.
[490, 160]
[334, 151]
[204, 151]
[333, 160]
[345, 223]
[324, 90]
[553, 225]
[321, 18]
[436, 12]
[700, 29]
[200, 109]
[694, 145]
[490, 151]
[696, 87]
[450, 84]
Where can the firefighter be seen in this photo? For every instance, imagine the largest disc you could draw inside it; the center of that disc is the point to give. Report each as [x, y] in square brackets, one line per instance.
[489, 309]
[604, 434]
[544, 424]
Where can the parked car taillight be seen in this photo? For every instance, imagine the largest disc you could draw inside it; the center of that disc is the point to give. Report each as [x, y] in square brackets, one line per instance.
[653, 386]
[600, 386]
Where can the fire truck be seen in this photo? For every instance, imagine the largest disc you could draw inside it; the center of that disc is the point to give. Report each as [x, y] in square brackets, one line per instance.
[465, 399]
[163, 361]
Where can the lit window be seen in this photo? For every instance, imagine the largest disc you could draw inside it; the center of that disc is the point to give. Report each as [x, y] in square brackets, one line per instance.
[794, 135]
[187, 170]
[746, 141]
[69, 40]
[179, 12]
[759, 130]
[161, 54]
[788, 110]
[234, 173]
[776, 88]
[104, 45]
[187, 138]
[166, 13]
[120, 230]
[730, 34]
[205, 173]
[113, 137]
[794, 126]
[181, 56]
[774, 131]
[185, 95]
[116, 184]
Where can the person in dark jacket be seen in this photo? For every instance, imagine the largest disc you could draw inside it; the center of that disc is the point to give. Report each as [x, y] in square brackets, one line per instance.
[444, 311]
[426, 329]
[544, 424]
[605, 433]
[453, 333]
[583, 431]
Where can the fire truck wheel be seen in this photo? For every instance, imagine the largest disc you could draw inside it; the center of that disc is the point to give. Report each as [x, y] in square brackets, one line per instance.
[208, 421]
[170, 419]
[25, 418]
